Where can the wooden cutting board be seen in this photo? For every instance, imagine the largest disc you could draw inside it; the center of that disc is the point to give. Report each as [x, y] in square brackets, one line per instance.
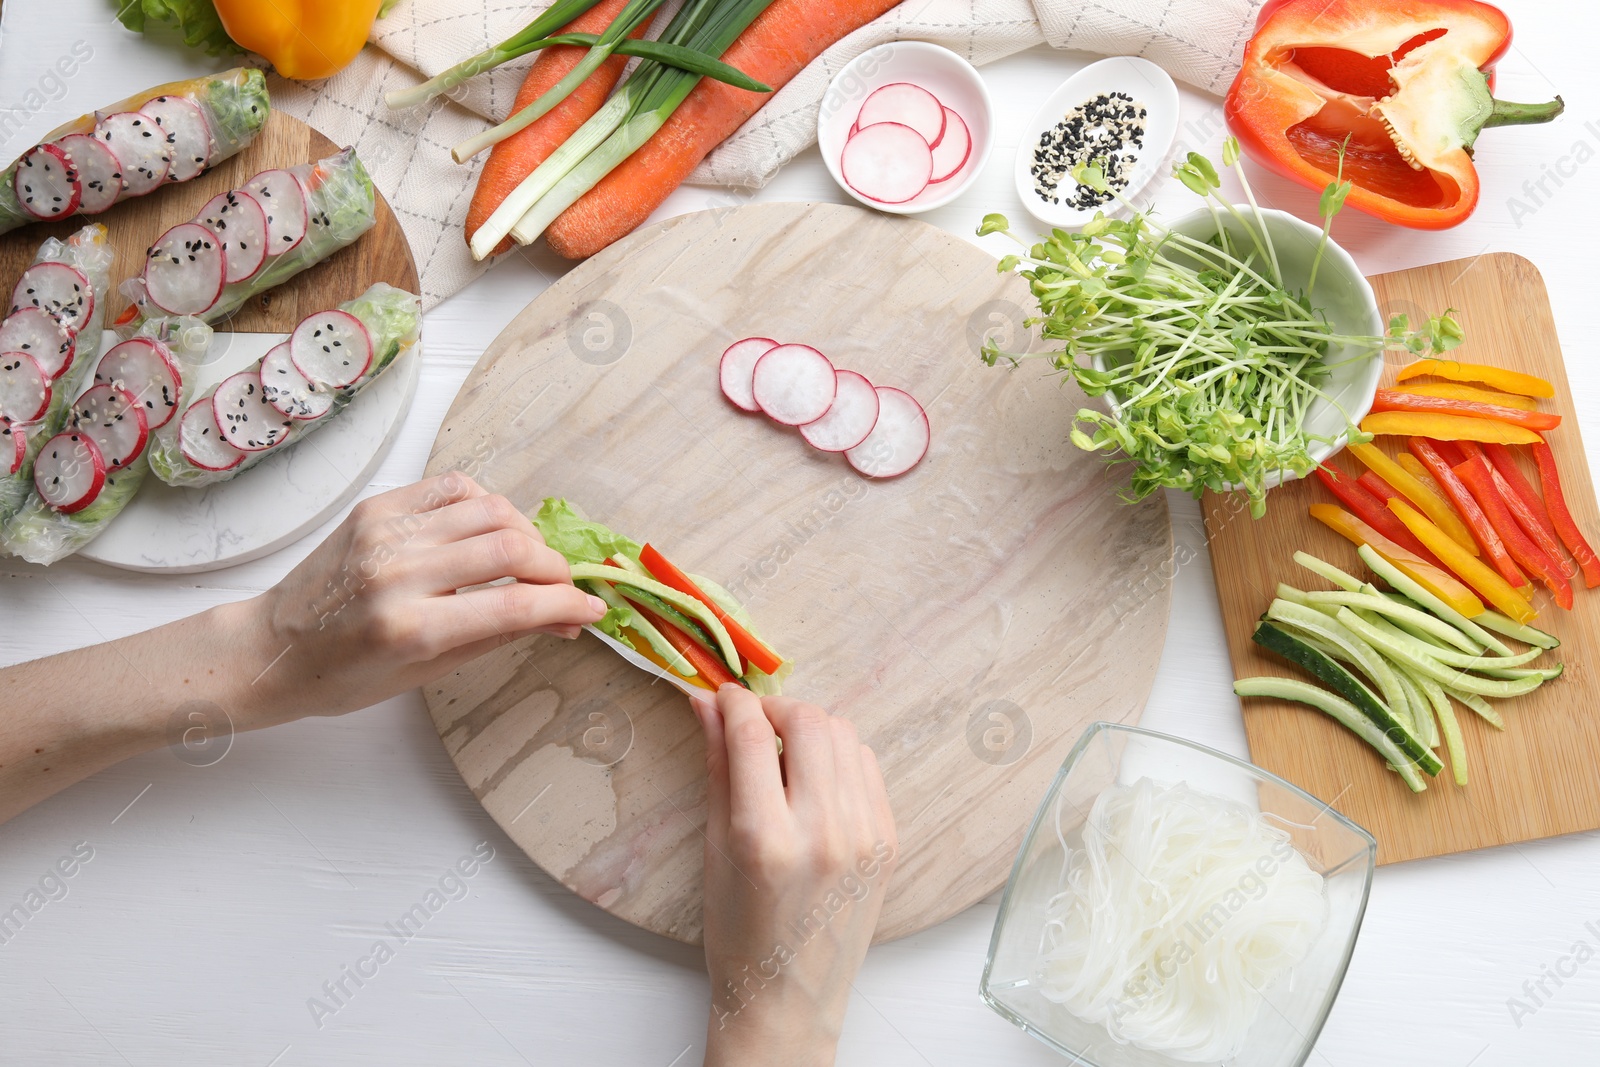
[970, 617]
[134, 225]
[1537, 778]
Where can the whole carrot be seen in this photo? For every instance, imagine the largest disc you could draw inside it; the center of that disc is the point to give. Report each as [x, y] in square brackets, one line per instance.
[776, 47]
[515, 158]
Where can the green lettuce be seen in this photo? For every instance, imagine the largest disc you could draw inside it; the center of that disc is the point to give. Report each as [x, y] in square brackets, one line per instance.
[195, 21]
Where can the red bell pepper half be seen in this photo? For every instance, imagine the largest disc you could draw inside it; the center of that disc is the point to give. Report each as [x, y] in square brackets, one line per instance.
[1480, 479]
[1461, 498]
[1392, 400]
[1555, 503]
[749, 646]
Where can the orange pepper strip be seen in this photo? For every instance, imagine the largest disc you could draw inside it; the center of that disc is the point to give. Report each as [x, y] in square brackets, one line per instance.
[1479, 575]
[1556, 503]
[1439, 583]
[1395, 400]
[1458, 391]
[1508, 381]
[1447, 427]
[1435, 507]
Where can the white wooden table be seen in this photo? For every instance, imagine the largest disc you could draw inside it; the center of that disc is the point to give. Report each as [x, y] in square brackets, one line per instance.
[220, 899]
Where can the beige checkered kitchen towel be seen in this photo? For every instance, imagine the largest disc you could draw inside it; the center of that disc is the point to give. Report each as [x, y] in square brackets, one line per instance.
[1197, 41]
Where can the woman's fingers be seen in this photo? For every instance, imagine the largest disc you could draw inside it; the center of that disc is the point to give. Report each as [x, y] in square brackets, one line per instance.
[473, 516]
[755, 785]
[428, 495]
[488, 557]
[808, 756]
[505, 611]
[851, 782]
[878, 799]
[705, 709]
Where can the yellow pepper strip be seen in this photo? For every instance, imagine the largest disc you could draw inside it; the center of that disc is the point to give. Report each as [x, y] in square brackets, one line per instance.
[1447, 428]
[1435, 506]
[1444, 586]
[641, 646]
[1470, 393]
[1509, 381]
[1474, 572]
[304, 39]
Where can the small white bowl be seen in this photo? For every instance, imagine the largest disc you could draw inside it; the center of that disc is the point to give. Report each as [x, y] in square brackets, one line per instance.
[1148, 85]
[940, 71]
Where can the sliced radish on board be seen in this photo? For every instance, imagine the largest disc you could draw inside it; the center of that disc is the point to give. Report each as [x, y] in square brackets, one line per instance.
[40, 334]
[58, 288]
[69, 472]
[99, 171]
[46, 183]
[248, 422]
[144, 368]
[290, 391]
[793, 384]
[13, 447]
[851, 417]
[331, 348]
[950, 154]
[114, 421]
[898, 441]
[24, 388]
[284, 201]
[185, 269]
[887, 162]
[188, 137]
[239, 220]
[141, 147]
[908, 105]
[738, 367]
[201, 441]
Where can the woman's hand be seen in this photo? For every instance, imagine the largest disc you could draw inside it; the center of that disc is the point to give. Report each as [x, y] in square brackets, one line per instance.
[798, 857]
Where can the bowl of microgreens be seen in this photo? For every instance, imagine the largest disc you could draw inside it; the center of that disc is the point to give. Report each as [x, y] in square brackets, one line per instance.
[1236, 348]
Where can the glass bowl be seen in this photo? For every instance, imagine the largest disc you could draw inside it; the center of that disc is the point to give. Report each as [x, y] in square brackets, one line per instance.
[1297, 1004]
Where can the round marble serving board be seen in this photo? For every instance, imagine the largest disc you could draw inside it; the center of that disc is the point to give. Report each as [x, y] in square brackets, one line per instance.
[970, 616]
[286, 496]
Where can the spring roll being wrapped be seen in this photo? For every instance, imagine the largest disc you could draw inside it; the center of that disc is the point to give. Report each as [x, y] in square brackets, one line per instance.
[289, 393]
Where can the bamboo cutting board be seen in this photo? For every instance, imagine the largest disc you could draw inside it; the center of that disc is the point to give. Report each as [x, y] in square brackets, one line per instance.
[970, 616]
[1536, 779]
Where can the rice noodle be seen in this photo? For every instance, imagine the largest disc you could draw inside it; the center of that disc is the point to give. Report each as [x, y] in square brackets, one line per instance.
[1180, 909]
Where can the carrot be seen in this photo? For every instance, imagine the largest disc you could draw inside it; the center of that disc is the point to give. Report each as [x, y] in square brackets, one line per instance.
[777, 46]
[515, 158]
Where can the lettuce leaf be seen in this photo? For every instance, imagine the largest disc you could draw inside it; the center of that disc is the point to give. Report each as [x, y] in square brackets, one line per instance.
[196, 22]
[578, 539]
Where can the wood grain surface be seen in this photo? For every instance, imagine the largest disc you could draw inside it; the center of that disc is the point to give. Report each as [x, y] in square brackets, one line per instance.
[1537, 778]
[381, 255]
[970, 617]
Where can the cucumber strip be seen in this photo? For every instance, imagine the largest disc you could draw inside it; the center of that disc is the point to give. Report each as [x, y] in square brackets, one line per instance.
[1342, 711]
[1452, 741]
[1549, 674]
[1423, 725]
[644, 628]
[1404, 584]
[1373, 601]
[1455, 658]
[1348, 582]
[686, 604]
[1529, 635]
[1318, 663]
[1362, 655]
[1293, 595]
[1480, 706]
[1414, 654]
[670, 614]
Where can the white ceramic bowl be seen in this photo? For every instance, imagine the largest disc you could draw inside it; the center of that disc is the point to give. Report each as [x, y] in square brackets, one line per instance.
[1141, 79]
[940, 71]
[1341, 292]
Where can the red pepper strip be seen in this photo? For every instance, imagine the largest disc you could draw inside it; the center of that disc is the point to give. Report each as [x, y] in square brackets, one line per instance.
[1470, 512]
[749, 646]
[1370, 510]
[1479, 477]
[1526, 506]
[1555, 503]
[710, 668]
[1449, 451]
[1394, 400]
[1377, 487]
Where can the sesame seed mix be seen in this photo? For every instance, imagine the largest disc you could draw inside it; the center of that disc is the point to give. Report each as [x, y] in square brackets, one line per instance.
[1108, 130]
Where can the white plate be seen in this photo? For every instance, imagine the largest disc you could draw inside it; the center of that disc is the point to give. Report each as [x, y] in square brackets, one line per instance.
[181, 531]
[1141, 79]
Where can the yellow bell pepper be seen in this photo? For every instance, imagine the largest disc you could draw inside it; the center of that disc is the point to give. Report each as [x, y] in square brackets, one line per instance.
[1470, 393]
[1508, 381]
[1447, 428]
[1432, 505]
[1442, 585]
[1475, 573]
[304, 39]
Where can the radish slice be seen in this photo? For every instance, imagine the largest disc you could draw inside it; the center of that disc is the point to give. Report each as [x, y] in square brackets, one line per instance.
[793, 384]
[290, 391]
[201, 441]
[99, 171]
[187, 136]
[331, 348]
[13, 446]
[24, 388]
[738, 367]
[898, 441]
[908, 105]
[144, 368]
[851, 418]
[114, 421]
[37, 332]
[185, 271]
[950, 154]
[46, 183]
[238, 219]
[69, 472]
[58, 288]
[140, 145]
[284, 201]
[248, 422]
[887, 162]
